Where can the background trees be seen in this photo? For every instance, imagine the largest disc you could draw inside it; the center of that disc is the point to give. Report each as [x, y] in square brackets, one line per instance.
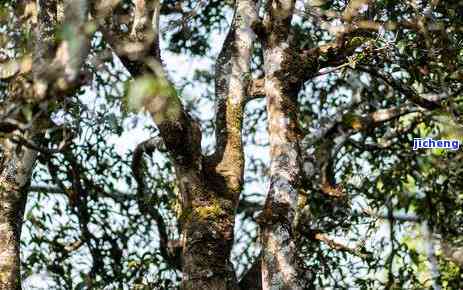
[332, 196]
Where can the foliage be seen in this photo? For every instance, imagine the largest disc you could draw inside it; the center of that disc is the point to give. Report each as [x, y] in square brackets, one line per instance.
[83, 225]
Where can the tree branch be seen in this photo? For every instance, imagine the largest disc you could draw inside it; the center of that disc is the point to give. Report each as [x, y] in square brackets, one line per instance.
[403, 217]
[335, 245]
[143, 199]
[16, 166]
[116, 195]
[336, 133]
[388, 139]
[280, 268]
[429, 102]
[233, 71]
[37, 147]
[358, 123]
[140, 54]
[60, 74]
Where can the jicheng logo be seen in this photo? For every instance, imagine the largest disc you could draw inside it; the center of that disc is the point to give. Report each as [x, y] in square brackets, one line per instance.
[430, 143]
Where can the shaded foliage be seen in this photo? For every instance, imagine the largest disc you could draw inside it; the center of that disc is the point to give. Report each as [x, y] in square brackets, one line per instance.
[84, 228]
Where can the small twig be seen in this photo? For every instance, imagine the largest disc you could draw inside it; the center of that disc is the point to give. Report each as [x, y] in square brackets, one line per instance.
[185, 18]
[116, 195]
[23, 141]
[30, 144]
[335, 245]
[328, 71]
[403, 217]
[74, 246]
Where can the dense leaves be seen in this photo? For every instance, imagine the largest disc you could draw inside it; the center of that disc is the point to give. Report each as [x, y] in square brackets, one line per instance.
[374, 214]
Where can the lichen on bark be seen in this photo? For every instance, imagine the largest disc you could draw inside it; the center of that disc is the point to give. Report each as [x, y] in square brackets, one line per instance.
[283, 80]
[16, 167]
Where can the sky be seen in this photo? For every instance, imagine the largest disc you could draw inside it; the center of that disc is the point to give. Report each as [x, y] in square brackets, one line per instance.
[179, 68]
[182, 67]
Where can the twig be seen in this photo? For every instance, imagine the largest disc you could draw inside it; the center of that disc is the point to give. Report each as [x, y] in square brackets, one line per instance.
[328, 71]
[335, 245]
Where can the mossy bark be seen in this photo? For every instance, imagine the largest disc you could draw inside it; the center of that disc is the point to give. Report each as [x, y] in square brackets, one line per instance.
[213, 196]
[209, 186]
[208, 240]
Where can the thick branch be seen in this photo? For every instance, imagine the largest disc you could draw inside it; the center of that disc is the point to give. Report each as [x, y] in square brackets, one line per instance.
[49, 80]
[135, 48]
[140, 54]
[232, 81]
[333, 56]
[60, 73]
[279, 254]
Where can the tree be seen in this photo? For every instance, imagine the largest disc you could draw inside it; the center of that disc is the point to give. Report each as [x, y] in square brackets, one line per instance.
[347, 85]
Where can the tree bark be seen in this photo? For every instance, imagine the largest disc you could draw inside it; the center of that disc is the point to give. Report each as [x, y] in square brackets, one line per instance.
[16, 166]
[209, 231]
[279, 266]
[209, 186]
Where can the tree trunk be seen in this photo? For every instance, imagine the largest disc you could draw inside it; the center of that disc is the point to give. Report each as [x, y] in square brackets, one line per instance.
[210, 186]
[279, 267]
[209, 229]
[208, 240]
[16, 167]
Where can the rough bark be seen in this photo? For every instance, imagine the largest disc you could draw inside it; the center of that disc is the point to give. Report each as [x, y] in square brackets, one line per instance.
[16, 166]
[279, 266]
[212, 222]
[209, 186]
